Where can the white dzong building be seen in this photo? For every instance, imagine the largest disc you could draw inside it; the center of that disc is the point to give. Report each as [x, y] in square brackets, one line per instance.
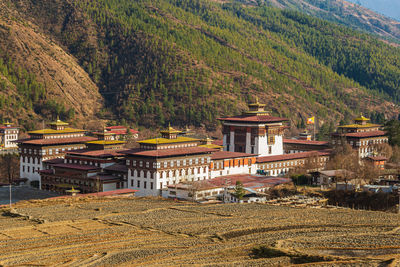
[254, 132]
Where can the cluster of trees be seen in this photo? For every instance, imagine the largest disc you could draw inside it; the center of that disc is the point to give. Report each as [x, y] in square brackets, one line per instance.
[30, 91]
[344, 157]
[9, 168]
[28, 94]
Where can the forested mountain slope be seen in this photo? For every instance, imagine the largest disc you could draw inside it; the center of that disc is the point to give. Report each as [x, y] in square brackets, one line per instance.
[189, 62]
[345, 13]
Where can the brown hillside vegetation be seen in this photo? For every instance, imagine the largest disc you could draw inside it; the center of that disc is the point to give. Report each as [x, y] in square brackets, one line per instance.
[148, 231]
[65, 81]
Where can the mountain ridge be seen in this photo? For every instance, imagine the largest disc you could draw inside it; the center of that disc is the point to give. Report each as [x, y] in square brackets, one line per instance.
[345, 13]
[389, 8]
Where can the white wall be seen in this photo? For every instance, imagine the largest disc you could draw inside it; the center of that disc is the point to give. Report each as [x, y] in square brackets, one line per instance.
[160, 180]
[8, 138]
[277, 148]
[244, 169]
[31, 175]
[184, 194]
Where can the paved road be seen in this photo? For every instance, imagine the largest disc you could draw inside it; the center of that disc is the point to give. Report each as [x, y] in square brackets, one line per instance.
[22, 193]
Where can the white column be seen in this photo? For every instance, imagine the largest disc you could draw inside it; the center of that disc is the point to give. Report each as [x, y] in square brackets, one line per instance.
[232, 145]
[248, 142]
[262, 145]
[256, 146]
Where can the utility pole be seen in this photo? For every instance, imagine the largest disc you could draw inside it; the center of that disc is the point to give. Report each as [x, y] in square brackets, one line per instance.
[10, 196]
[98, 185]
[398, 192]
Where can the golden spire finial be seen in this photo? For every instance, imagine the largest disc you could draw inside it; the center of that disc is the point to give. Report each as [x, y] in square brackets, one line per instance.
[256, 99]
[58, 118]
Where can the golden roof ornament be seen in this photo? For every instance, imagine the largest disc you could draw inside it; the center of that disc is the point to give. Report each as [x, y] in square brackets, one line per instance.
[170, 130]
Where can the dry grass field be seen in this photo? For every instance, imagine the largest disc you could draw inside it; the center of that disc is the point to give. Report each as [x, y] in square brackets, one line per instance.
[148, 231]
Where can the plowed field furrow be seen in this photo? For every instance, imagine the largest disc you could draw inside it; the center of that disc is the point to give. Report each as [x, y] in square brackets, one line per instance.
[146, 232]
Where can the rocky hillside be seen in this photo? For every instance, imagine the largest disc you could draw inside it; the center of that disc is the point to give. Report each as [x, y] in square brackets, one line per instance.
[153, 62]
[41, 77]
[390, 8]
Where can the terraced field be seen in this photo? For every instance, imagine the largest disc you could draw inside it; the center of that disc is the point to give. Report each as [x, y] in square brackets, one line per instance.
[145, 231]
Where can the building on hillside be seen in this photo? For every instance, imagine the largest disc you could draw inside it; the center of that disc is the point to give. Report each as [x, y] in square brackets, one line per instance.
[327, 178]
[149, 171]
[227, 162]
[85, 170]
[254, 132]
[214, 188]
[250, 196]
[300, 145]
[169, 140]
[282, 164]
[8, 135]
[378, 161]
[121, 132]
[105, 141]
[170, 159]
[47, 144]
[362, 136]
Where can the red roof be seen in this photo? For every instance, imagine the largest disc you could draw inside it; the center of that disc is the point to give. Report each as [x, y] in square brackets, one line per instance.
[56, 140]
[10, 127]
[229, 155]
[118, 129]
[248, 181]
[254, 118]
[170, 152]
[378, 158]
[122, 131]
[305, 142]
[366, 134]
[115, 127]
[98, 153]
[54, 161]
[300, 155]
[104, 177]
[117, 168]
[76, 166]
[218, 142]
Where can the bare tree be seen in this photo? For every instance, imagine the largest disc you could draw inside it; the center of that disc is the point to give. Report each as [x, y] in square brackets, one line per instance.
[395, 158]
[384, 150]
[9, 167]
[345, 158]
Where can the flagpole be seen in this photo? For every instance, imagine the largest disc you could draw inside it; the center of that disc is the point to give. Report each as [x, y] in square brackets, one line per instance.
[314, 128]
